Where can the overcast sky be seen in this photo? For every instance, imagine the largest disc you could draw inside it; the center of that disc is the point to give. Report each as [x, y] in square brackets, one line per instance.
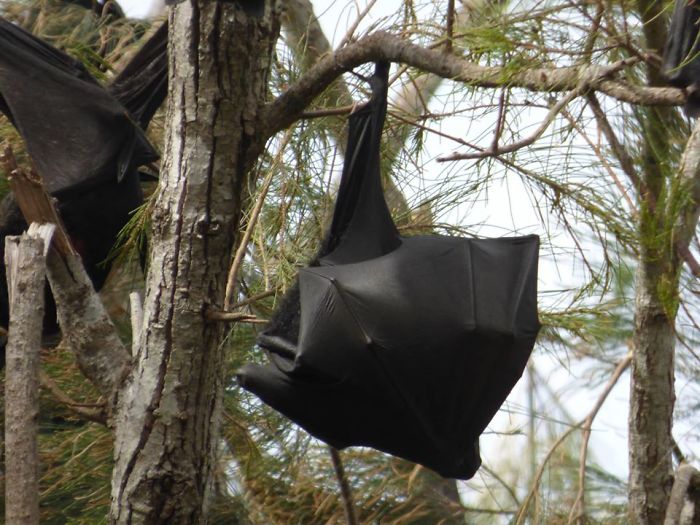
[136, 8]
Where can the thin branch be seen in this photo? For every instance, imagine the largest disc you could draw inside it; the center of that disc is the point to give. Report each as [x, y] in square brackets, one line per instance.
[515, 146]
[604, 161]
[689, 258]
[677, 452]
[328, 112]
[98, 415]
[495, 151]
[578, 510]
[503, 483]
[500, 119]
[626, 162]
[684, 230]
[234, 317]
[252, 221]
[345, 492]
[353, 27]
[253, 299]
[522, 513]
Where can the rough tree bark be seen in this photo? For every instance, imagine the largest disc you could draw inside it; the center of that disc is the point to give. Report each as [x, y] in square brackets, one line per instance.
[24, 259]
[166, 416]
[651, 395]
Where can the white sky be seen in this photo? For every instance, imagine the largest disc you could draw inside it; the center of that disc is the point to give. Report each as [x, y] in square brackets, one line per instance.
[136, 8]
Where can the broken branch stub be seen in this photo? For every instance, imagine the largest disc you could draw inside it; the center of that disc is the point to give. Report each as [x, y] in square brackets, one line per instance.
[84, 322]
[26, 271]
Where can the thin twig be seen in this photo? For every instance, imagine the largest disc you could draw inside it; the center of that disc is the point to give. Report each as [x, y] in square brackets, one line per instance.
[604, 161]
[623, 157]
[503, 483]
[351, 30]
[350, 515]
[500, 119]
[253, 299]
[234, 317]
[578, 510]
[252, 221]
[522, 513]
[327, 112]
[677, 452]
[515, 146]
[97, 415]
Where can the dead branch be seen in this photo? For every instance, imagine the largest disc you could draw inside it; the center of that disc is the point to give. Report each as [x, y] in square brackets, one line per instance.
[35, 204]
[86, 327]
[26, 271]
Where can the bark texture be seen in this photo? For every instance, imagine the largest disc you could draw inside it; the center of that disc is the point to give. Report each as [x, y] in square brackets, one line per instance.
[24, 258]
[651, 399]
[166, 421]
[88, 329]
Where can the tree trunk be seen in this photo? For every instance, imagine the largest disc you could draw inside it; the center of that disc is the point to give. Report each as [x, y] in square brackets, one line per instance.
[166, 419]
[651, 399]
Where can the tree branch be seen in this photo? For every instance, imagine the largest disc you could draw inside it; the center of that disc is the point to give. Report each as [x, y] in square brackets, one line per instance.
[686, 479]
[578, 509]
[380, 45]
[585, 424]
[626, 162]
[86, 327]
[690, 186]
[97, 415]
[496, 150]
